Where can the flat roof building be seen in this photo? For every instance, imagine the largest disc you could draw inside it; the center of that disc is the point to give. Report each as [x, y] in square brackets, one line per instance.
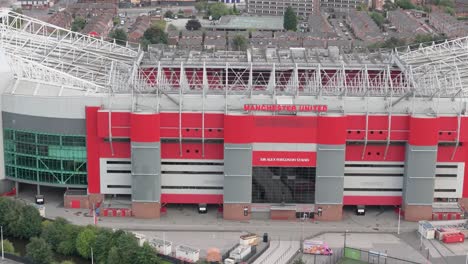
[303, 8]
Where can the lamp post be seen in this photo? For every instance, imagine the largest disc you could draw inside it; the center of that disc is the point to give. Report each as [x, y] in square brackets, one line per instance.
[1, 231]
[466, 261]
[346, 232]
[92, 256]
[399, 219]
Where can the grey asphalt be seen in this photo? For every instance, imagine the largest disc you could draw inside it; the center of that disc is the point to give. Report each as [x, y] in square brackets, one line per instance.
[183, 225]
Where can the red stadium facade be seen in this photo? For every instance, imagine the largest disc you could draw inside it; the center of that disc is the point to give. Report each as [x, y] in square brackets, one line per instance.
[265, 132]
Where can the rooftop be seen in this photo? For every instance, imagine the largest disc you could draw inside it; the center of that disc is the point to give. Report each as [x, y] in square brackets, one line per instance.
[249, 22]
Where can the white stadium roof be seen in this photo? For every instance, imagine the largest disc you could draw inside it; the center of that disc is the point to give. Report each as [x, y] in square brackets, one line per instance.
[52, 61]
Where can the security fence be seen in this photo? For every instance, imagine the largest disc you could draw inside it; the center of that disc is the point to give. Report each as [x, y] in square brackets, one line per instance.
[373, 257]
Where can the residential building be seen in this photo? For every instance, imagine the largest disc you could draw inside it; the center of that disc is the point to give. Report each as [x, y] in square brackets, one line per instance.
[303, 8]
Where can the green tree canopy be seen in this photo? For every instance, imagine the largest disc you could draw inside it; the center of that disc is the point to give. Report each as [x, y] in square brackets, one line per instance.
[104, 242]
[8, 247]
[78, 24]
[239, 43]
[67, 246]
[217, 10]
[404, 4]
[128, 247]
[290, 19]
[38, 251]
[146, 255]
[153, 35]
[54, 232]
[119, 35]
[169, 14]
[10, 212]
[201, 6]
[193, 24]
[67, 262]
[28, 223]
[378, 18]
[114, 256]
[85, 240]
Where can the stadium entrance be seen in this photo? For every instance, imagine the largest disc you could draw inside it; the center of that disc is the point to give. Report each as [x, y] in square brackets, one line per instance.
[284, 185]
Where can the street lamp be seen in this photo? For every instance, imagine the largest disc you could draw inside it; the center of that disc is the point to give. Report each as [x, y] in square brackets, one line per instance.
[346, 232]
[399, 219]
[1, 232]
[92, 256]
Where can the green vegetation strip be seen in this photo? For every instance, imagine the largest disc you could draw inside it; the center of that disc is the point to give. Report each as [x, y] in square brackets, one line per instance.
[22, 221]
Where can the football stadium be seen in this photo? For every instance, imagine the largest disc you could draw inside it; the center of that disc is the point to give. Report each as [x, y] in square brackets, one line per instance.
[281, 132]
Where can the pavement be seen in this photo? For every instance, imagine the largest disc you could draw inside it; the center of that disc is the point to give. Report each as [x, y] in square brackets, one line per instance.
[7, 261]
[184, 225]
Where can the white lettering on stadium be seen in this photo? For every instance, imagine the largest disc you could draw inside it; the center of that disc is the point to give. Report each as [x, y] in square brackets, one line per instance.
[285, 159]
[285, 108]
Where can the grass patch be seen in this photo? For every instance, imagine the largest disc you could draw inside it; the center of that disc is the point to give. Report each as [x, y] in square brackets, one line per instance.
[350, 261]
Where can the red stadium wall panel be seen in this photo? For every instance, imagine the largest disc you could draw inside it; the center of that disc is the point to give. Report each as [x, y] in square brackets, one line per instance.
[192, 150]
[119, 123]
[372, 200]
[192, 125]
[144, 127]
[375, 152]
[270, 129]
[191, 198]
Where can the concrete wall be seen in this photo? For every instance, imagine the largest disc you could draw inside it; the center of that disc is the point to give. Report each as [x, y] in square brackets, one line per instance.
[237, 173]
[330, 174]
[146, 172]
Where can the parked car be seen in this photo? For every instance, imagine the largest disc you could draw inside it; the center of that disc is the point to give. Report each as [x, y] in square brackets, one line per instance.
[360, 210]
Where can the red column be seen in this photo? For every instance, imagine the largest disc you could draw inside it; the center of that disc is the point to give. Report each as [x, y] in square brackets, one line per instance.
[238, 129]
[144, 127]
[423, 131]
[331, 130]
[92, 150]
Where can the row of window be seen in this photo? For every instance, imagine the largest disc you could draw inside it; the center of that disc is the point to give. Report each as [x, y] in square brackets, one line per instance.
[48, 158]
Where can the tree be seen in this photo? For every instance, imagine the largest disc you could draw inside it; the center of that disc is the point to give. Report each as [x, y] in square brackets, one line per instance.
[298, 261]
[171, 27]
[153, 35]
[54, 232]
[38, 251]
[378, 18]
[239, 43]
[28, 223]
[193, 24]
[201, 6]
[8, 247]
[290, 19]
[362, 7]
[116, 20]
[127, 246]
[146, 255]
[217, 10]
[119, 35]
[68, 246]
[234, 10]
[169, 14]
[85, 241]
[104, 242]
[450, 10]
[114, 256]
[160, 24]
[9, 214]
[405, 4]
[78, 24]
[67, 262]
